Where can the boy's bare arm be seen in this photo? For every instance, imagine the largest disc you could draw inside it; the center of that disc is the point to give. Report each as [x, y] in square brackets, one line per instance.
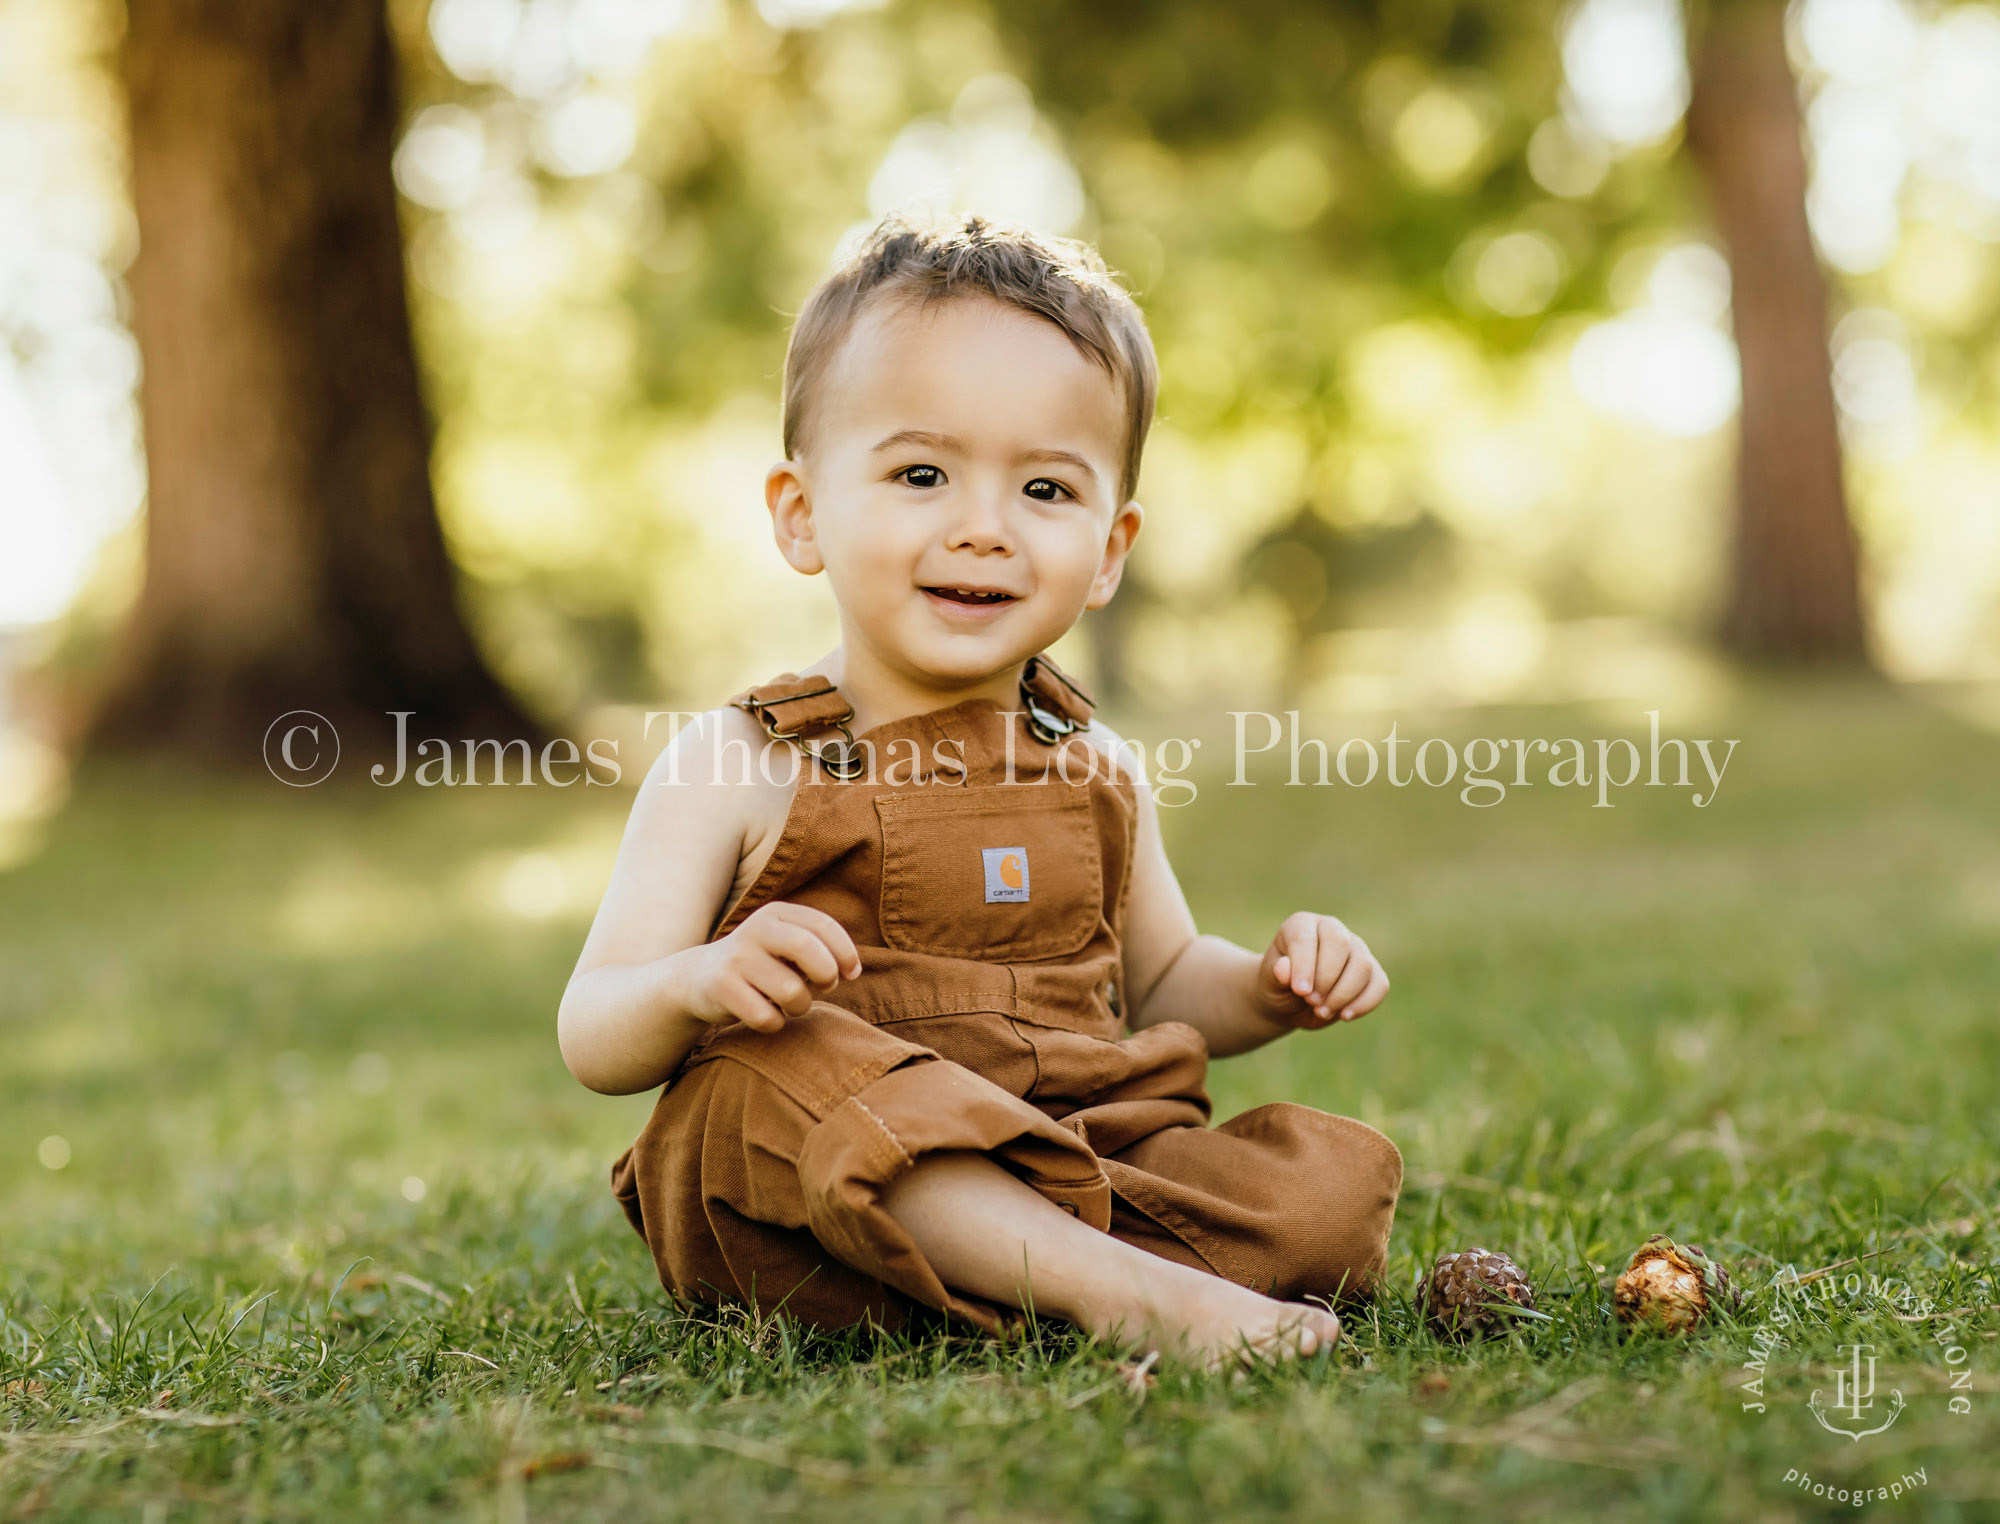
[648, 982]
[1314, 973]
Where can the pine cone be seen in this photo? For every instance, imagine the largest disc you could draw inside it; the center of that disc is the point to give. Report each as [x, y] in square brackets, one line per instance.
[1469, 1293]
[1672, 1287]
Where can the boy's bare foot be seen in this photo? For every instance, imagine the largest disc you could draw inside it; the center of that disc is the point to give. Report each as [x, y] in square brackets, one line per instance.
[988, 1233]
[1191, 1316]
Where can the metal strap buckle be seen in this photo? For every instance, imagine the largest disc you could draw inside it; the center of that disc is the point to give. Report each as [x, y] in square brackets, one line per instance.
[1044, 724]
[843, 759]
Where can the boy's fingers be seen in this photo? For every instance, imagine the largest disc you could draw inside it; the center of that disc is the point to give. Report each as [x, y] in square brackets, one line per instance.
[782, 985]
[1354, 977]
[1377, 991]
[742, 1001]
[801, 947]
[831, 933]
[1336, 954]
[1353, 980]
[1301, 937]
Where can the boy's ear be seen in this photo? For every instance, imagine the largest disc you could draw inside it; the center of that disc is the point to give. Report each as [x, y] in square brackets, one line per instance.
[786, 496]
[1110, 571]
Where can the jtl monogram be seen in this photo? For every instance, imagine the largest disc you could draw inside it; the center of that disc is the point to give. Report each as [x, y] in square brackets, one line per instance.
[1854, 1395]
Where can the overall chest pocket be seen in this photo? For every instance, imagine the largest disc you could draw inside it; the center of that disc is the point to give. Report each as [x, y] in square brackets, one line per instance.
[1007, 873]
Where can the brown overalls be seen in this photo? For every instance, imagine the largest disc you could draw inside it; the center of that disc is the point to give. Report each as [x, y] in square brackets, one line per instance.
[987, 914]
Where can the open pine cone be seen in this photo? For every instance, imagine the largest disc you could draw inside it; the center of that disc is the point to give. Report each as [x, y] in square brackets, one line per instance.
[1469, 1293]
[1672, 1287]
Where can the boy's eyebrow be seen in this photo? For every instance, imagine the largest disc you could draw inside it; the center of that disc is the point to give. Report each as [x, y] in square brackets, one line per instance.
[934, 441]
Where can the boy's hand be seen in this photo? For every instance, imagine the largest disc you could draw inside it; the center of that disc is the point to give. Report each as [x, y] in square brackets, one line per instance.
[781, 959]
[1317, 972]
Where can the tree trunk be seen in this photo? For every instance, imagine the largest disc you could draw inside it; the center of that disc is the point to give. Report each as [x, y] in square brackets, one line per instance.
[1793, 594]
[294, 557]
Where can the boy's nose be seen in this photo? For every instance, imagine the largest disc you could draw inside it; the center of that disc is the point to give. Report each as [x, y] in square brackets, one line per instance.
[981, 526]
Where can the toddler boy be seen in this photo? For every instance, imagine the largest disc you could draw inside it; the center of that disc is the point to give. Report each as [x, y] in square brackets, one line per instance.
[898, 933]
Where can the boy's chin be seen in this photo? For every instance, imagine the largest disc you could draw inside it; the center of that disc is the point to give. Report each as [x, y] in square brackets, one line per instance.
[968, 659]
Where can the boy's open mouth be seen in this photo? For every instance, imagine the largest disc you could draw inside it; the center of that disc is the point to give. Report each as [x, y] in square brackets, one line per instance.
[971, 595]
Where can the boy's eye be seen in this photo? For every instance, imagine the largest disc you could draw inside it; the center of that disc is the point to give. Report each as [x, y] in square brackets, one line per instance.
[921, 476]
[1046, 491]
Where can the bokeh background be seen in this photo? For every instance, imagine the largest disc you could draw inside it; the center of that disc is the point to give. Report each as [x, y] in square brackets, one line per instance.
[1452, 380]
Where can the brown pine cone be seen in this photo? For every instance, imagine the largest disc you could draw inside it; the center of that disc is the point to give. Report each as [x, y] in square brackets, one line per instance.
[1672, 1287]
[1468, 1294]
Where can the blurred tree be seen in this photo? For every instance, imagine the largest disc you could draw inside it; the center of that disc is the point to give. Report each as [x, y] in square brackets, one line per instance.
[294, 557]
[1793, 592]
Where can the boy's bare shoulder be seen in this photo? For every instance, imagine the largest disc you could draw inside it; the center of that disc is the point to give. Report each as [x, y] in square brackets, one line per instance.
[714, 784]
[706, 749]
[1121, 756]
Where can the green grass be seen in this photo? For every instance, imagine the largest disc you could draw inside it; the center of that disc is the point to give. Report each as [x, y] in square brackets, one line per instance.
[258, 1017]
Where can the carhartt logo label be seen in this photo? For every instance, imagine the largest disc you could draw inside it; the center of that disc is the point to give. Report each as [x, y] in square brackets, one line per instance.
[1006, 873]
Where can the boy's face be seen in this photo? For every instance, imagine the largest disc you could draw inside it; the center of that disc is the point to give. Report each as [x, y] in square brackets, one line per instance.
[959, 485]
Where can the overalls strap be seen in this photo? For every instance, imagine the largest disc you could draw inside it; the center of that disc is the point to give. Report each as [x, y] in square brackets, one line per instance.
[789, 704]
[1047, 690]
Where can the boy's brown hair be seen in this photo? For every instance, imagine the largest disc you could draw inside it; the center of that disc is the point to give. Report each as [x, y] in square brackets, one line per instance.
[1060, 279]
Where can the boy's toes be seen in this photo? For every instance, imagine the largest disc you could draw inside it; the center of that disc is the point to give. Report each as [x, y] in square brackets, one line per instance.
[1298, 1332]
[1315, 1330]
